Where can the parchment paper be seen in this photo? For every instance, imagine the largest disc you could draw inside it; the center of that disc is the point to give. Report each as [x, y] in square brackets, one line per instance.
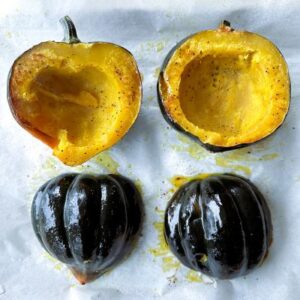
[151, 153]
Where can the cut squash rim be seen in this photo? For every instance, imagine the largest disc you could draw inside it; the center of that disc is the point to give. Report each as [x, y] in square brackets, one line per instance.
[187, 99]
[78, 98]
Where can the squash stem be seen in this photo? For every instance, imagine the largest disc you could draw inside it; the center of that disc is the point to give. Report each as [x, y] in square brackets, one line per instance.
[225, 26]
[70, 34]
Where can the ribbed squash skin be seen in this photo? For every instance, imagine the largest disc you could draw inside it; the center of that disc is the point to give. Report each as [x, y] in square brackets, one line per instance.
[87, 222]
[220, 226]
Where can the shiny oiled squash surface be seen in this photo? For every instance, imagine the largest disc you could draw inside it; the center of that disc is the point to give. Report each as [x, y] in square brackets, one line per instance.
[88, 222]
[79, 98]
[225, 87]
[220, 225]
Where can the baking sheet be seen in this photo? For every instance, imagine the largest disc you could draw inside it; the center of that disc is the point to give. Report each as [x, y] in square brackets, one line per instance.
[151, 154]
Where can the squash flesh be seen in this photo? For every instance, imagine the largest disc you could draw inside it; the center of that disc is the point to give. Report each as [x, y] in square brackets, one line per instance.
[226, 88]
[79, 99]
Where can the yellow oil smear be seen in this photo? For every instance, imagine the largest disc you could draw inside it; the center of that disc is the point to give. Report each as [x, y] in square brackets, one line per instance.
[229, 159]
[160, 46]
[246, 155]
[149, 46]
[243, 154]
[222, 162]
[8, 34]
[157, 45]
[162, 248]
[203, 259]
[160, 212]
[156, 72]
[50, 164]
[194, 276]
[52, 167]
[57, 265]
[169, 262]
[105, 160]
[178, 180]
[191, 147]
[150, 98]
[139, 185]
[270, 156]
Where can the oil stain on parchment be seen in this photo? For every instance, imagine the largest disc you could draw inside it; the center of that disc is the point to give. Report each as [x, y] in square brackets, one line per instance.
[105, 160]
[52, 167]
[161, 250]
[191, 147]
[156, 72]
[101, 162]
[178, 180]
[152, 46]
[238, 160]
[229, 164]
[57, 265]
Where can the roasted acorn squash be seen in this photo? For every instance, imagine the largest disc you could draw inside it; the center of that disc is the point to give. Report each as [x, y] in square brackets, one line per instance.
[220, 225]
[78, 98]
[226, 88]
[87, 222]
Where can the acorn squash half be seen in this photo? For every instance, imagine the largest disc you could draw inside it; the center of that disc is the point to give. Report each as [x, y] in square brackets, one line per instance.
[78, 98]
[220, 226]
[226, 88]
[88, 222]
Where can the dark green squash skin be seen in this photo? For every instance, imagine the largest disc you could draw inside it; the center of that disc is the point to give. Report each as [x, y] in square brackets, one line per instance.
[220, 226]
[176, 126]
[88, 222]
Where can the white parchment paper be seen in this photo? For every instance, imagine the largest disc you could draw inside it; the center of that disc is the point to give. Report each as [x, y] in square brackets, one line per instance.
[151, 153]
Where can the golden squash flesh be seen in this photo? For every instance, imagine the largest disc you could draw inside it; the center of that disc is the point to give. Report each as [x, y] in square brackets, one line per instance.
[227, 88]
[79, 98]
